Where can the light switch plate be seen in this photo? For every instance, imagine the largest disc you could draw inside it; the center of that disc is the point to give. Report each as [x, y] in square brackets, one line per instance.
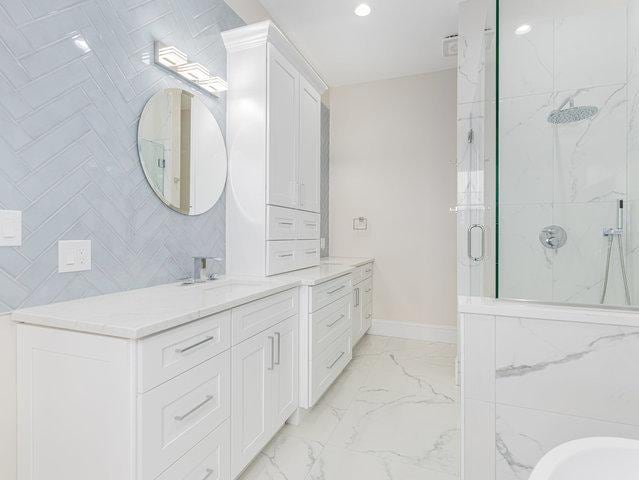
[10, 228]
[74, 255]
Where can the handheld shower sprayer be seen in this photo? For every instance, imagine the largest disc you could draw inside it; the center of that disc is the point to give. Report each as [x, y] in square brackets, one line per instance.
[611, 233]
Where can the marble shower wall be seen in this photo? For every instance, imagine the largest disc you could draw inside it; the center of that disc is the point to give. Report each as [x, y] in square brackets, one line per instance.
[530, 385]
[569, 175]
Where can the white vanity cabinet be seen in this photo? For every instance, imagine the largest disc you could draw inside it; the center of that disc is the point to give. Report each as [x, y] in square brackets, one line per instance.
[325, 336]
[274, 132]
[191, 402]
[264, 389]
[362, 301]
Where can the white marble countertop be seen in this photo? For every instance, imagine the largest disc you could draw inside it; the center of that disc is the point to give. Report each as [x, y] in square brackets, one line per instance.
[542, 311]
[329, 268]
[139, 313]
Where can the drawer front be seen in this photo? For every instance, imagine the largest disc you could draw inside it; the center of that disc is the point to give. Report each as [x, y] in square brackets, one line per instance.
[282, 223]
[165, 356]
[367, 271]
[308, 253]
[177, 415]
[309, 226]
[326, 367]
[325, 293]
[210, 459]
[281, 256]
[255, 317]
[358, 275]
[329, 322]
[367, 291]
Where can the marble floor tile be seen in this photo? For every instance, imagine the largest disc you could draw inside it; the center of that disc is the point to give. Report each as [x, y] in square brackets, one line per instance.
[392, 414]
[342, 464]
[286, 457]
[420, 430]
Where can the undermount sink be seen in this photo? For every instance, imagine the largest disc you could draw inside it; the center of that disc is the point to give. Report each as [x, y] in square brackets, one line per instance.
[594, 458]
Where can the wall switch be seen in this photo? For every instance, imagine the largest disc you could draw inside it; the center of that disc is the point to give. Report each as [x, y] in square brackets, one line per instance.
[10, 228]
[74, 255]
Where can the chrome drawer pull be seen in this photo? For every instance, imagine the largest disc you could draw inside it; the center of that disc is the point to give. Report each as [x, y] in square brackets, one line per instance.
[285, 255]
[179, 418]
[184, 350]
[285, 223]
[338, 319]
[331, 292]
[209, 472]
[279, 348]
[336, 360]
[272, 342]
[368, 290]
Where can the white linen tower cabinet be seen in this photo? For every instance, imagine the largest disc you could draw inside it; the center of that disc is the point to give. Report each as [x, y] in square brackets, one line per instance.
[273, 140]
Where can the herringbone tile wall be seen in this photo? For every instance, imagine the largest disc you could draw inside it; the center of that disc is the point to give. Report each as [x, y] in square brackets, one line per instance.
[324, 185]
[74, 77]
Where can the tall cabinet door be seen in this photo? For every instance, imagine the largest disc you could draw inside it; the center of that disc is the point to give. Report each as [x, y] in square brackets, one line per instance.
[283, 125]
[285, 387]
[310, 147]
[252, 368]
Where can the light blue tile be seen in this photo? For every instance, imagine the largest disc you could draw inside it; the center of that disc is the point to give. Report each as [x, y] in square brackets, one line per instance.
[12, 262]
[102, 205]
[55, 141]
[49, 29]
[48, 87]
[52, 114]
[54, 199]
[40, 8]
[16, 10]
[13, 293]
[55, 56]
[10, 165]
[55, 170]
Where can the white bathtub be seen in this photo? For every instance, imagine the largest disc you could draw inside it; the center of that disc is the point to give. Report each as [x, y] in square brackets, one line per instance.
[594, 458]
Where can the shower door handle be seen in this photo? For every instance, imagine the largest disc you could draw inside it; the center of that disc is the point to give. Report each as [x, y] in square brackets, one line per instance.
[470, 243]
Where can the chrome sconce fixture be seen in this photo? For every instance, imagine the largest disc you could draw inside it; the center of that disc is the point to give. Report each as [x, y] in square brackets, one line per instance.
[175, 61]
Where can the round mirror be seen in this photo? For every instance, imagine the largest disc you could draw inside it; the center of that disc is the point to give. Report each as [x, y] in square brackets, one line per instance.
[182, 151]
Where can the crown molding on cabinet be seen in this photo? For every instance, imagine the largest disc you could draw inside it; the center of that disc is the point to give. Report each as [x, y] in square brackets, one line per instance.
[261, 33]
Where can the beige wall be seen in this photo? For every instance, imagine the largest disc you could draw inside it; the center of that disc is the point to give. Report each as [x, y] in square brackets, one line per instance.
[393, 147]
[250, 11]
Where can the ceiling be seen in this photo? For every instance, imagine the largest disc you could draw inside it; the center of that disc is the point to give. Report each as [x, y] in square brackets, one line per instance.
[399, 38]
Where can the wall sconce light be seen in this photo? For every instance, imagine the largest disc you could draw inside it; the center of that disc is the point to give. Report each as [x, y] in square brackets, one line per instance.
[175, 61]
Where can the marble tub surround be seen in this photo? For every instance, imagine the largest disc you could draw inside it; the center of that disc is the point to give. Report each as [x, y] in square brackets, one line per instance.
[371, 426]
[530, 383]
[139, 313]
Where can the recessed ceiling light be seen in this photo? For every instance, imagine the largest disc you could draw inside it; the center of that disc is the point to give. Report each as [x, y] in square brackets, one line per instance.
[363, 10]
[523, 29]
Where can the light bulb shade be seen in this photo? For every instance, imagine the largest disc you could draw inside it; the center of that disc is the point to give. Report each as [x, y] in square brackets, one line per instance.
[170, 56]
[214, 84]
[194, 72]
[363, 10]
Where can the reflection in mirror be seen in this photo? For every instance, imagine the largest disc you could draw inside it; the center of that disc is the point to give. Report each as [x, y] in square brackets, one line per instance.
[182, 151]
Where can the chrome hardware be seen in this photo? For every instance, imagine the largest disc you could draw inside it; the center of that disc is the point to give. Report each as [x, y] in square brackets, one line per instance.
[610, 232]
[285, 255]
[184, 350]
[336, 360]
[199, 264]
[367, 290]
[285, 223]
[272, 341]
[329, 325]
[161, 163]
[470, 243]
[209, 472]
[331, 292]
[279, 347]
[179, 418]
[356, 296]
[553, 237]
[311, 252]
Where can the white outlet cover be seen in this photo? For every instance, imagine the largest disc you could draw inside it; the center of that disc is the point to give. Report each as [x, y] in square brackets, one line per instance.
[10, 228]
[74, 255]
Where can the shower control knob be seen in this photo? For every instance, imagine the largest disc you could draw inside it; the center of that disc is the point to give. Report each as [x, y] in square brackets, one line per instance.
[553, 237]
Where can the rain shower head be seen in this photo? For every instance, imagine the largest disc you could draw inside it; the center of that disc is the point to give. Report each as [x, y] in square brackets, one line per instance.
[571, 114]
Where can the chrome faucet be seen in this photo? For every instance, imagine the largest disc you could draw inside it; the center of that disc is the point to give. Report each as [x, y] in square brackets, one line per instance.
[199, 265]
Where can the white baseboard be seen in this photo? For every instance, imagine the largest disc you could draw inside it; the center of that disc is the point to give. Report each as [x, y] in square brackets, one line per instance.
[414, 331]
